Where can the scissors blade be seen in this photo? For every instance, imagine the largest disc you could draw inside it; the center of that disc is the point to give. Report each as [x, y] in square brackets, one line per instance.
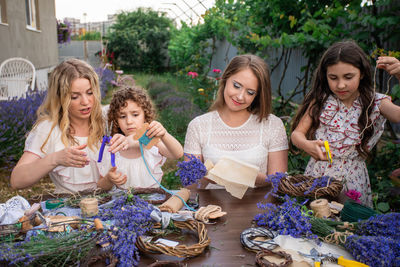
[109, 128]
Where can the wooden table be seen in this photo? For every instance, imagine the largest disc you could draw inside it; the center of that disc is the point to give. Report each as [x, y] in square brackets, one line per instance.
[225, 248]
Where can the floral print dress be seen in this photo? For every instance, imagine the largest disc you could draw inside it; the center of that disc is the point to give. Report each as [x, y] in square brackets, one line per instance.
[339, 126]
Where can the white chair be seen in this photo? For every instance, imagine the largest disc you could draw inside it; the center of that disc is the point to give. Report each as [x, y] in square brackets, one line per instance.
[17, 75]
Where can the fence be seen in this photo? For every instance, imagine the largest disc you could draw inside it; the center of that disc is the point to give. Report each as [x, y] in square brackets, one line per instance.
[84, 50]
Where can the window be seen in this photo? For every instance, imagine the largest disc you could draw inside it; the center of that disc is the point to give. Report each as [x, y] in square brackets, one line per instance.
[3, 11]
[32, 14]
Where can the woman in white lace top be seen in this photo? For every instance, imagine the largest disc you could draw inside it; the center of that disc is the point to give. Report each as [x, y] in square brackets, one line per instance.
[240, 123]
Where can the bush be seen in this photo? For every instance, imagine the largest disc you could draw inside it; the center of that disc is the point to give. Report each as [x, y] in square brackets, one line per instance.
[139, 40]
[17, 118]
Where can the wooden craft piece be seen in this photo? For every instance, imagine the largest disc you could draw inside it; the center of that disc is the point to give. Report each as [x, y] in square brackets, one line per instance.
[140, 132]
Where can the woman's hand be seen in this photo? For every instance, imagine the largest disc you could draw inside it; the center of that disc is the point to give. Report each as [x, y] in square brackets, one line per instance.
[156, 129]
[72, 157]
[390, 64]
[116, 177]
[118, 142]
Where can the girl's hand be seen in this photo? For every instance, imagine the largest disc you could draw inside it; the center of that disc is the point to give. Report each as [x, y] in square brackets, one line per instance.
[117, 143]
[116, 177]
[313, 148]
[156, 130]
[395, 173]
[72, 157]
[390, 64]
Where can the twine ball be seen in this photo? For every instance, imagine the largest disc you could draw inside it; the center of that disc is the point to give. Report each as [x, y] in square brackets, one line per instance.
[89, 207]
[321, 208]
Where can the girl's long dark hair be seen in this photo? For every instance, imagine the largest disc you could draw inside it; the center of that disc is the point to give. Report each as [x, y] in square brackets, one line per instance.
[346, 52]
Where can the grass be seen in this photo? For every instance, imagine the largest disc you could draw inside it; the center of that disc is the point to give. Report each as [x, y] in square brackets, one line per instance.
[6, 192]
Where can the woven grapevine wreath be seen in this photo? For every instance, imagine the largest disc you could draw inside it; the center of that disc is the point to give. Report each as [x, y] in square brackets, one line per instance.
[181, 251]
[299, 186]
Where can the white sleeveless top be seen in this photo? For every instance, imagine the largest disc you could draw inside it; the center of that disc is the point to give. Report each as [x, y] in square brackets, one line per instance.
[66, 179]
[251, 142]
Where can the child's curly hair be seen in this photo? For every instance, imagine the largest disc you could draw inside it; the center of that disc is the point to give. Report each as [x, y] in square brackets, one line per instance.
[119, 101]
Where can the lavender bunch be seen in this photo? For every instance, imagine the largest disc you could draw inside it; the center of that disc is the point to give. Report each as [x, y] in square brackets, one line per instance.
[322, 181]
[190, 171]
[17, 116]
[374, 250]
[275, 180]
[286, 219]
[381, 225]
[105, 77]
[131, 216]
[41, 248]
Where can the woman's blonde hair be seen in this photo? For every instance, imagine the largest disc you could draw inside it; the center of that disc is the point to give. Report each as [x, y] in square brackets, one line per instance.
[55, 106]
[262, 103]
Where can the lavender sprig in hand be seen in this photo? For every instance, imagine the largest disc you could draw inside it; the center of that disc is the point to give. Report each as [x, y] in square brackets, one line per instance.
[190, 171]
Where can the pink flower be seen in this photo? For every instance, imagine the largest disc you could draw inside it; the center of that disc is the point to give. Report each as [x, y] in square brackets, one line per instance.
[193, 74]
[217, 70]
[119, 72]
[354, 195]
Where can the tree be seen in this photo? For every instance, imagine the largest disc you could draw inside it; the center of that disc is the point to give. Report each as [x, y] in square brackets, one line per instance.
[140, 39]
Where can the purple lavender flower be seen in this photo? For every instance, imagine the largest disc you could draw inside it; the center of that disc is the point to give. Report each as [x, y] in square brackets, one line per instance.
[190, 171]
[275, 180]
[374, 250]
[286, 219]
[17, 116]
[320, 182]
[131, 216]
[106, 76]
[381, 225]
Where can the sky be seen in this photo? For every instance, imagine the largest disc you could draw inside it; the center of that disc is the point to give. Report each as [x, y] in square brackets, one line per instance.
[97, 10]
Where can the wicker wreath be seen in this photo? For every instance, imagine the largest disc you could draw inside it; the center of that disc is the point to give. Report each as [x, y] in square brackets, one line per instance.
[180, 250]
[262, 262]
[138, 191]
[298, 184]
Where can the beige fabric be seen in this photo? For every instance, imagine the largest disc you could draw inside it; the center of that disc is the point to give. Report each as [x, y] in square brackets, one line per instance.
[235, 175]
[173, 204]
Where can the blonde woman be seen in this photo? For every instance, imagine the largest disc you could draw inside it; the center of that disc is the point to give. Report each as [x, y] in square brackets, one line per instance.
[65, 139]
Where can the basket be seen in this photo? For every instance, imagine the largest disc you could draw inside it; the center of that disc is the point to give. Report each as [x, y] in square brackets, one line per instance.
[180, 250]
[299, 186]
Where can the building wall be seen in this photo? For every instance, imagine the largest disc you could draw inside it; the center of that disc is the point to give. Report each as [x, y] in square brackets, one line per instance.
[38, 46]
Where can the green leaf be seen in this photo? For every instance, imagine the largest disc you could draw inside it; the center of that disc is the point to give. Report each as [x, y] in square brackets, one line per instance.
[383, 206]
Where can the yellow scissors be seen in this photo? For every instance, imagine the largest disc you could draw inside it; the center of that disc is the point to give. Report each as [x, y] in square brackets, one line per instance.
[328, 151]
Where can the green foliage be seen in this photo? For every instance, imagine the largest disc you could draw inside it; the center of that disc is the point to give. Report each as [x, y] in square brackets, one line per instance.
[379, 169]
[89, 36]
[171, 181]
[140, 39]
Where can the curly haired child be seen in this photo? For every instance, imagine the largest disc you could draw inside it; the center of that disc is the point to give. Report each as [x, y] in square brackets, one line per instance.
[129, 110]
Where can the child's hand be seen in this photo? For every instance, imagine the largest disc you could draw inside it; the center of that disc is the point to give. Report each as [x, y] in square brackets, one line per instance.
[72, 157]
[390, 64]
[115, 177]
[117, 143]
[156, 130]
[313, 148]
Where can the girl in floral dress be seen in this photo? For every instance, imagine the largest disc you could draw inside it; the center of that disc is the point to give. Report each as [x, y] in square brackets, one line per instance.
[343, 108]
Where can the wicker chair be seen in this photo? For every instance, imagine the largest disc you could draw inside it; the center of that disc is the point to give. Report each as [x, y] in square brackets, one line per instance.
[17, 75]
